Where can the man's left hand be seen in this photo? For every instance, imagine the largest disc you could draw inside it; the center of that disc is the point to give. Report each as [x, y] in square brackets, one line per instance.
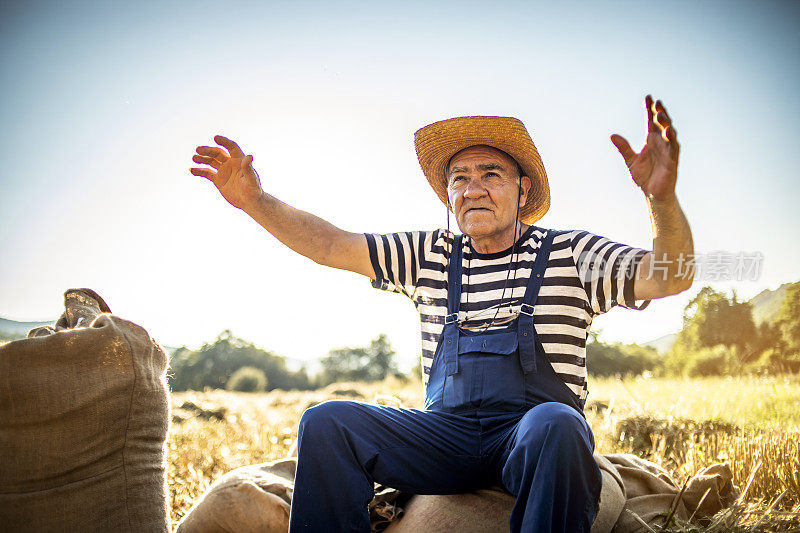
[655, 168]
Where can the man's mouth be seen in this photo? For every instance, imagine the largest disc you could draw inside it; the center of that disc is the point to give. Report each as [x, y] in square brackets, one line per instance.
[476, 209]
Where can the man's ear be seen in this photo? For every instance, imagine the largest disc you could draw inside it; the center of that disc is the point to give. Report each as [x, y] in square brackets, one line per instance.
[525, 185]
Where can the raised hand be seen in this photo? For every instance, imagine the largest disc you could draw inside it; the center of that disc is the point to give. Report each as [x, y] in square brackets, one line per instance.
[231, 172]
[655, 168]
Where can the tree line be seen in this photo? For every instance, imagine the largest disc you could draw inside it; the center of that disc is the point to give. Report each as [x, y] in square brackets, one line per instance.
[232, 363]
[719, 337]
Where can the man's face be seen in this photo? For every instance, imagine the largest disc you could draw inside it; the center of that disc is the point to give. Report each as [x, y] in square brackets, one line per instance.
[483, 191]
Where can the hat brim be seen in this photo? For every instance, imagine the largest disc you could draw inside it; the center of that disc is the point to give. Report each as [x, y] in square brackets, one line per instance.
[437, 143]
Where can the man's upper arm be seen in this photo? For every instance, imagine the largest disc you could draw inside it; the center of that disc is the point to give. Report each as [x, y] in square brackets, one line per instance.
[644, 286]
[651, 280]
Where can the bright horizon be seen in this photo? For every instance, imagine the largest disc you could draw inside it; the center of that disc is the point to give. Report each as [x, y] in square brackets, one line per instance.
[103, 108]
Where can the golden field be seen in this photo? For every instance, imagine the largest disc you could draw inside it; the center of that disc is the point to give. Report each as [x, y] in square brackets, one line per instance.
[684, 425]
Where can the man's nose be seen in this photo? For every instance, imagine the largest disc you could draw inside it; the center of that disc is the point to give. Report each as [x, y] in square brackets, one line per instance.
[474, 189]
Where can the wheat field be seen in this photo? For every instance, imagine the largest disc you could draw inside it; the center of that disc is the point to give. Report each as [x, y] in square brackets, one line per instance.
[753, 423]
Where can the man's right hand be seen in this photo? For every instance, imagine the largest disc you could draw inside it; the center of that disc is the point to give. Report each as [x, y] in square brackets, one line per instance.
[231, 172]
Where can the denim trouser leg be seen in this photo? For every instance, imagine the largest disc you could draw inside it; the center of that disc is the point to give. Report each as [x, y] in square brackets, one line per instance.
[344, 447]
[551, 471]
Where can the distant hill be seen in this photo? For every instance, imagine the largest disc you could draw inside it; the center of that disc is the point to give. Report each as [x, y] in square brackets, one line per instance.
[663, 343]
[767, 303]
[766, 306]
[12, 329]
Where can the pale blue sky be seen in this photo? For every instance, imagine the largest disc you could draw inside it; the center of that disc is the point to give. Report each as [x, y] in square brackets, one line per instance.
[102, 107]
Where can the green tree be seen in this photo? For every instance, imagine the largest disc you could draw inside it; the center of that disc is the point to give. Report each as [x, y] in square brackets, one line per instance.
[788, 321]
[780, 341]
[610, 359]
[214, 364]
[713, 319]
[367, 363]
[247, 379]
[416, 370]
[718, 360]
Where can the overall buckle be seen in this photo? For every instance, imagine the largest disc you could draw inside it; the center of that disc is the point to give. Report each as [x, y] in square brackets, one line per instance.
[452, 318]
[528, 311]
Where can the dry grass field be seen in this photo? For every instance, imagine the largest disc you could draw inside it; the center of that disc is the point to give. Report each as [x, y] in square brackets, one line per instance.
[683, 425]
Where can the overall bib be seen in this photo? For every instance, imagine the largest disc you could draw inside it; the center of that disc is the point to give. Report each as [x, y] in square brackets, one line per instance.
[495, 371]
[495, 413]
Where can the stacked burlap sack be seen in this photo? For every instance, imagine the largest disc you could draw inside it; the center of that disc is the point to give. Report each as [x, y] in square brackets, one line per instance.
[257, 498]
[84, 415]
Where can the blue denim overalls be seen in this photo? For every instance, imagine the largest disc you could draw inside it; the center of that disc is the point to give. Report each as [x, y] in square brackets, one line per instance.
[495, 413]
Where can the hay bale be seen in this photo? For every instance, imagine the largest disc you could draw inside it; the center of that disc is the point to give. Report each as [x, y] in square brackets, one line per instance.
[84, 415]
[640, 432]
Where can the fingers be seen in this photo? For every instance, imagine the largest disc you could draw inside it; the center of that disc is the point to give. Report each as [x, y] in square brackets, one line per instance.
[207, 161]
[213, 151]
[652, 127]
[215, 157]
[231, 146]
[671, 135]
[668, 132]
[662, 113]
[206, 173]
[624, 148]
[659, 121]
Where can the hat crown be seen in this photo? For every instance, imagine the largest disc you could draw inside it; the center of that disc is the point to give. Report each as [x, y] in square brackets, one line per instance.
[438, 142]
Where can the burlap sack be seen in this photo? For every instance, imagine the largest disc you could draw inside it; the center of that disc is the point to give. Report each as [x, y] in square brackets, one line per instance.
[84, 414]
[630, 485]
[652, 494]
[257, 498]
[488, 511]
[250, 499]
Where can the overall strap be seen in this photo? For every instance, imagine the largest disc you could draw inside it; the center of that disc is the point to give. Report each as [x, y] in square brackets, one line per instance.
[525, 330]
[450, 332]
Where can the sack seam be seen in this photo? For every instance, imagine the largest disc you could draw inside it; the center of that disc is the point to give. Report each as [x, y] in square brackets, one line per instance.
[67, 484]
[127, 429]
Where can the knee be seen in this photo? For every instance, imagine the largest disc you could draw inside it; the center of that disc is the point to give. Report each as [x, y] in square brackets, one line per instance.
[554, 422]
[323, 419]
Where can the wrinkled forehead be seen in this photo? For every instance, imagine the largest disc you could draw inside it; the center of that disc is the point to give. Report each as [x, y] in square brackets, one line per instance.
[484, 154]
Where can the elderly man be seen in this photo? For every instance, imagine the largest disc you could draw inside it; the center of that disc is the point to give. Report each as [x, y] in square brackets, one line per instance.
[505, 309]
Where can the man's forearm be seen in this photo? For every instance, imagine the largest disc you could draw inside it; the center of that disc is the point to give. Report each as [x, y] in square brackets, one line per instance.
[309, 235]
[672, 242]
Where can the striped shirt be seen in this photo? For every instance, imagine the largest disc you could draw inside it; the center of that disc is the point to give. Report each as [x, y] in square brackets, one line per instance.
[586, 276]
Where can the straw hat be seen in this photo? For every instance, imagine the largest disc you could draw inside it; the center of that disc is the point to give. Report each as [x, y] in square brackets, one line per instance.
[438, 142]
